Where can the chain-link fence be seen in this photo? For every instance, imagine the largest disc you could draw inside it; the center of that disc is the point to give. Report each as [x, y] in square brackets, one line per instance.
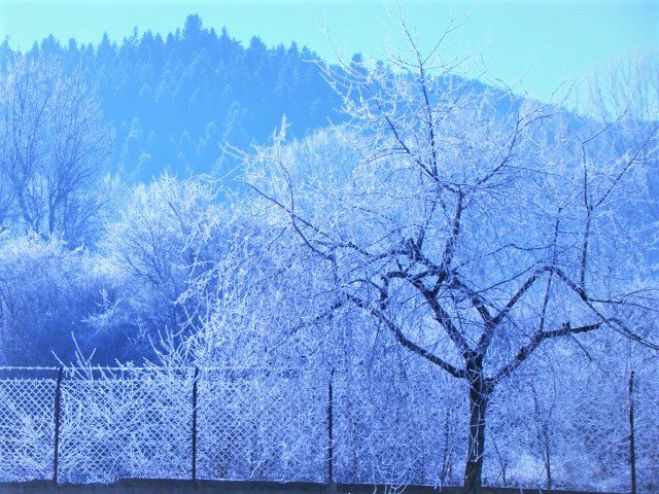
[27, 424]
[100, 425]
[398, 429]
[388, 427]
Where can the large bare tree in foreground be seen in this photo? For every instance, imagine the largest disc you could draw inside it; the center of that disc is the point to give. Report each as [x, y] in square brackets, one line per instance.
[474, 226]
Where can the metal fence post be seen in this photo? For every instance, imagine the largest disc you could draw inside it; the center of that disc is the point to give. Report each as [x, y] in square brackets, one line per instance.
[57, 413]
[330, 429]
[632, 439]
[194, 423]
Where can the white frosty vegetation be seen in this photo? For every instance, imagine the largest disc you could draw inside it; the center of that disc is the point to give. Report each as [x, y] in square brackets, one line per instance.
[483, 233]
[53, 143]
[471, 271]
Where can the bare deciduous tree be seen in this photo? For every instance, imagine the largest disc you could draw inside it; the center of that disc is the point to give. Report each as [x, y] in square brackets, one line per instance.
[165, 237]
[472, 225]
[52, 147]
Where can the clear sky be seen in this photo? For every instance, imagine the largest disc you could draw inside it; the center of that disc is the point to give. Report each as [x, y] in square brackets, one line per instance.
[540, 42]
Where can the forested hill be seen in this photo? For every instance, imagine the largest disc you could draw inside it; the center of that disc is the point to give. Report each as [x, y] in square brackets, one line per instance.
[173, 100]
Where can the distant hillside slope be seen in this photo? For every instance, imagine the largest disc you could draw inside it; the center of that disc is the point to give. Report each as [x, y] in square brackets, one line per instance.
[173, 100]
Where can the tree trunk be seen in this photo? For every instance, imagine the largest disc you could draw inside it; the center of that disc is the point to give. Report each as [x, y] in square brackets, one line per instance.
[479, 395]
[547, 447]
[632, 445]
[447, 461]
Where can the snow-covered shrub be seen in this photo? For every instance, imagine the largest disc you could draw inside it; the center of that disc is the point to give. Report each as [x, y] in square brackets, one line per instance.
[47, 293]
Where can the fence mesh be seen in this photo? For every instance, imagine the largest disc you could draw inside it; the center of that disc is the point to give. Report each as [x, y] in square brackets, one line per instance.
[136, 424]
[378, 427]
[26, 424]
[142, 423]
[256, 426]
[397, 429]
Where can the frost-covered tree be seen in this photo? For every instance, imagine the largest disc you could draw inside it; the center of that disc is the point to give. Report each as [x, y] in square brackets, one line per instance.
[53, 145]
[627, 86]
[626, 94]
[165, 236]
[473, 226]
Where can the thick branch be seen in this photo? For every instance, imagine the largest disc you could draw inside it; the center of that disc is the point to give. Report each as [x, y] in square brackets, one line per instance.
[449, 248]
[526, 350]
[404, 341]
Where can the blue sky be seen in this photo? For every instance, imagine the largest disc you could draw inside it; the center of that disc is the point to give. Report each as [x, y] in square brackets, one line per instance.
[532, 45]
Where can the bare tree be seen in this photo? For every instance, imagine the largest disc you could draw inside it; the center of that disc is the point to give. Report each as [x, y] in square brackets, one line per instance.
[52, 148]
[165, 237]
[626, 86]
[473, 226]
[625, 93]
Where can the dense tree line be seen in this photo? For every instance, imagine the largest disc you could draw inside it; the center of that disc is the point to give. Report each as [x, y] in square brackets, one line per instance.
[174, 99]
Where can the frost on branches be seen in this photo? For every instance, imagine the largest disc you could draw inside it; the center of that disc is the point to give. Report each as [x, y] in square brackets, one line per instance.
[491, 236]
[457, 286]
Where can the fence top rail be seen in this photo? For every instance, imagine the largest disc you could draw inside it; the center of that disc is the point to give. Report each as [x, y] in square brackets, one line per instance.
[118, 372]
[144, 368]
